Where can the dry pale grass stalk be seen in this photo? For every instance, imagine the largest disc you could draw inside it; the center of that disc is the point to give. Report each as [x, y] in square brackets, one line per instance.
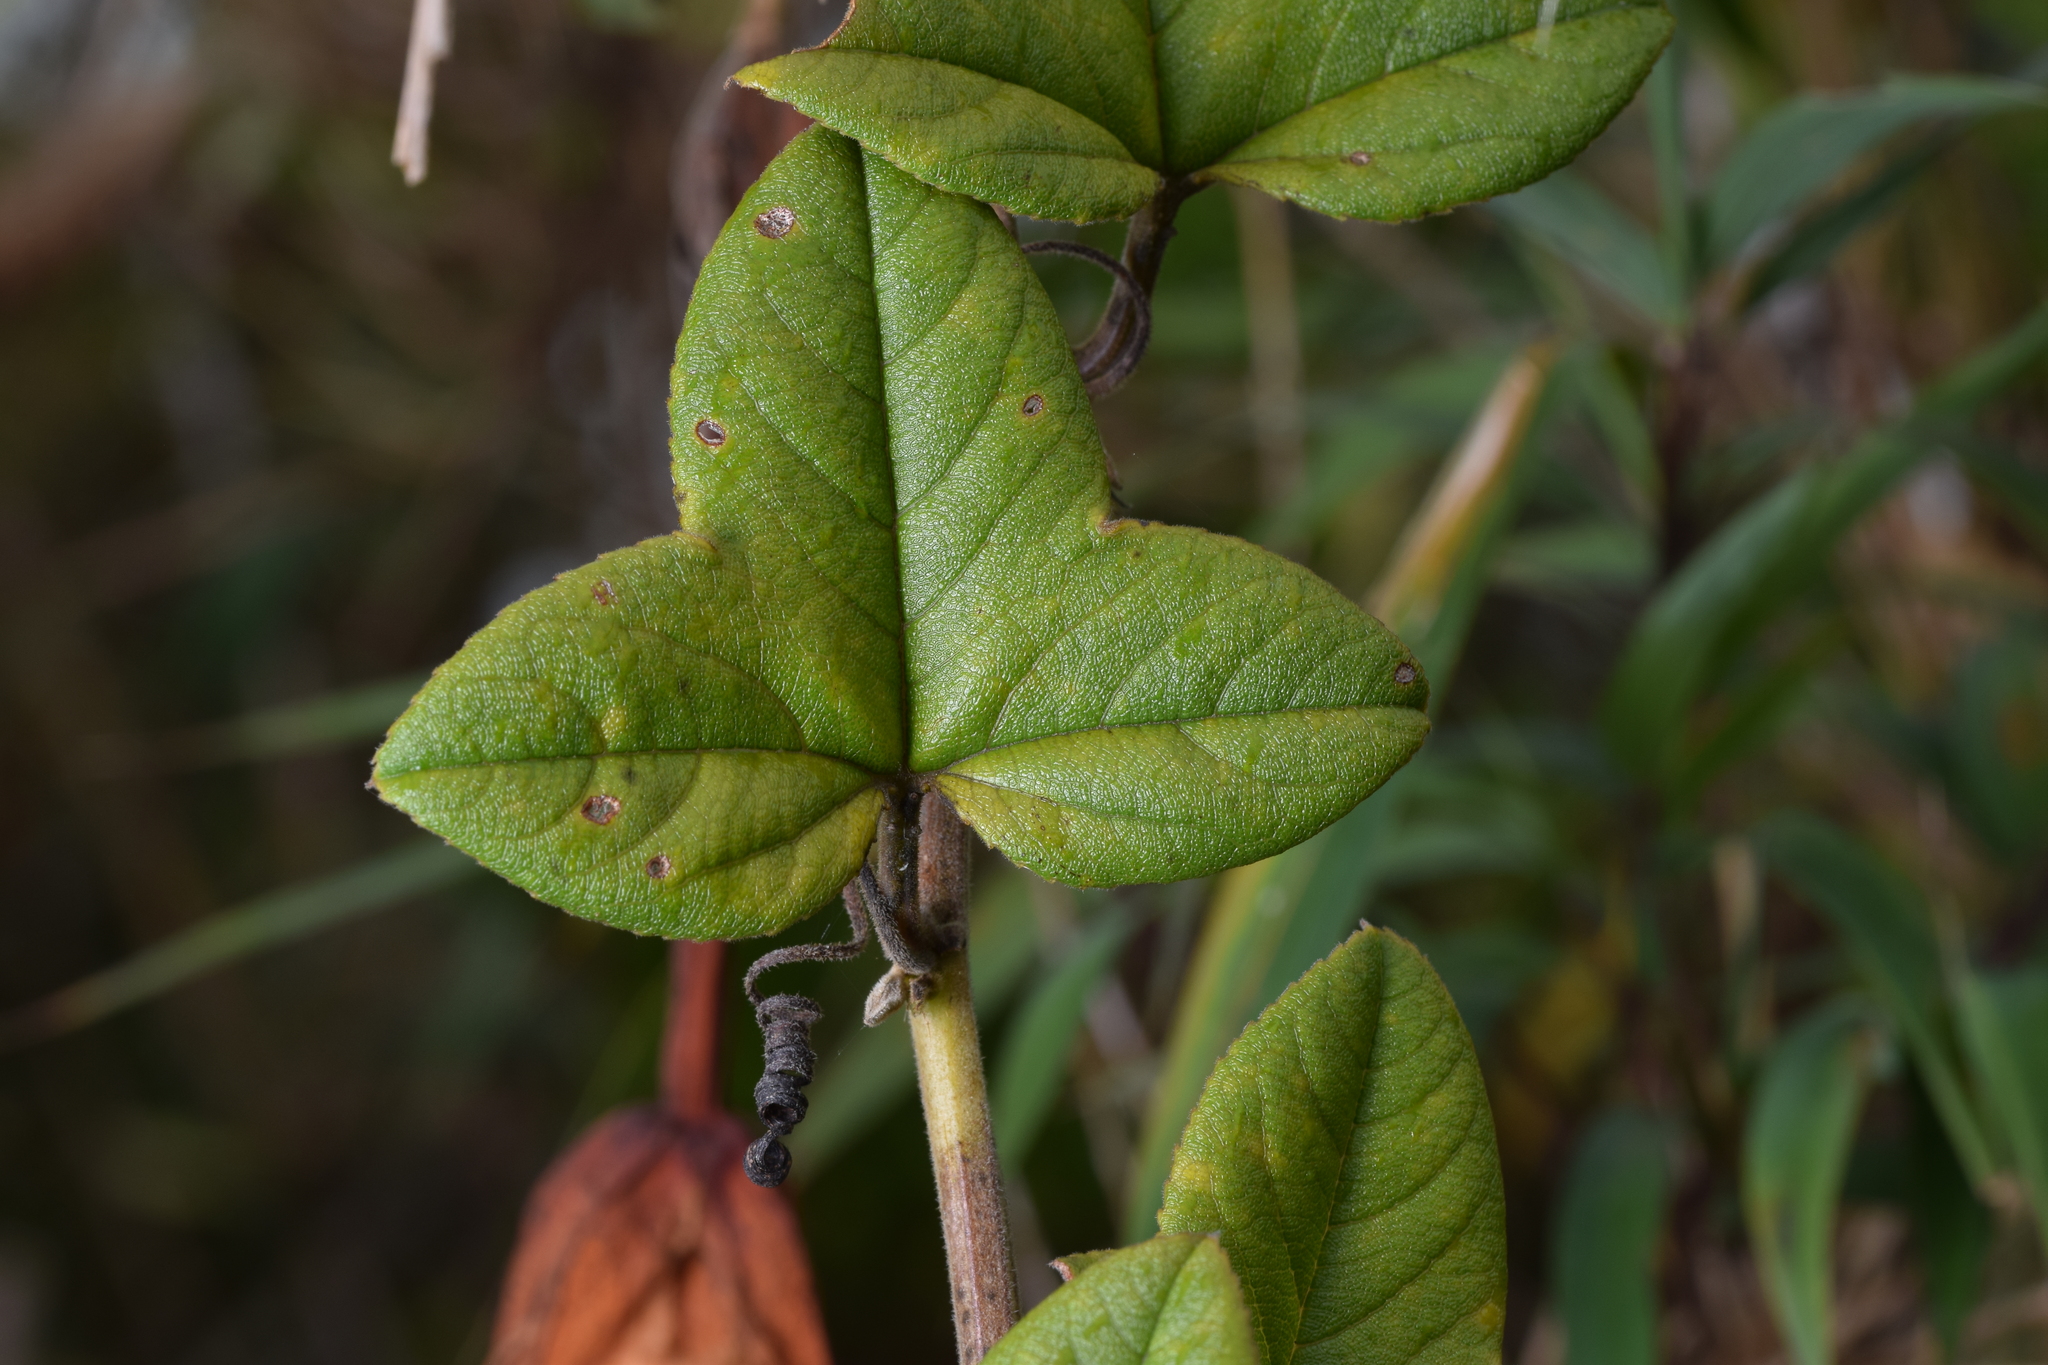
[430, 42]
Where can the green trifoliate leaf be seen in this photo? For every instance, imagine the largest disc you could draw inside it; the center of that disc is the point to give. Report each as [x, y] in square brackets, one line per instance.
[1064, 109]
[898, 565]
[1345, 1149]
[1169, 1301]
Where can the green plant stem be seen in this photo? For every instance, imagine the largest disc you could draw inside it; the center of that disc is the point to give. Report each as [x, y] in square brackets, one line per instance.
[954, 1090]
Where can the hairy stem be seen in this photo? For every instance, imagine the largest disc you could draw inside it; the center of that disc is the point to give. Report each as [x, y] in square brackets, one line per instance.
[955, 1094]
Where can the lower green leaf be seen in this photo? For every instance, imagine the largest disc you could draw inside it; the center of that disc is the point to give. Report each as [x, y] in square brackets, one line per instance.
[1476, 123]
[1169, 1301]
[1345, 1149]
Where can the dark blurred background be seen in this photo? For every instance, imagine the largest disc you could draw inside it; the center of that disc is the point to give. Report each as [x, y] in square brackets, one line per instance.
[277, 432]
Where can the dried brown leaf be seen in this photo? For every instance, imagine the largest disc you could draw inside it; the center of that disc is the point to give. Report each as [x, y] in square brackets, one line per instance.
[645, 1244]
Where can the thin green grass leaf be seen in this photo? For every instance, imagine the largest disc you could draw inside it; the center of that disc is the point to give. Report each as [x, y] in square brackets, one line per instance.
[1795, 1151]
[232, 935]
[1807, 143]
[2005, 1024]
[1583, 227]
[1884, 920]
[1035, 1052]
[1604, 1255]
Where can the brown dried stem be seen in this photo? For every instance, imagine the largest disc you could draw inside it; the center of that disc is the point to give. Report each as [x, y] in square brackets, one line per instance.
[690, 1039]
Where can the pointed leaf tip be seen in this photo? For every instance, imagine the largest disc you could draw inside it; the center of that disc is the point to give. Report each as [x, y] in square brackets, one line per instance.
[1345, 1148]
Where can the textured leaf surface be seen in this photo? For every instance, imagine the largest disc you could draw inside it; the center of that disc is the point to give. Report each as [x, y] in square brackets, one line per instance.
[1169, 1301]
[1161, 802]
[898, 557]
[1485, 118]
[634, 762]
[1064, 109]
[969, 132]
[1345, 1149]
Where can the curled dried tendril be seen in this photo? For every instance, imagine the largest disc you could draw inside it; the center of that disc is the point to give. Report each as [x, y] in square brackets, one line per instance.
[1104, 369]
[787, 1056]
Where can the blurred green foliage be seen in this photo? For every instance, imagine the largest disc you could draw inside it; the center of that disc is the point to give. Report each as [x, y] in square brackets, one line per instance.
[1747, 734]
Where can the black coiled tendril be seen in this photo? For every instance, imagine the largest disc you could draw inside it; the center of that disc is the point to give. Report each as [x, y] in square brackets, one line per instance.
[786, 1047]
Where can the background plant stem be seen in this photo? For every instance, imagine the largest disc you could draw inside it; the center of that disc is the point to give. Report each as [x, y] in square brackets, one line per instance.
[1274, 328]
[954, 1090]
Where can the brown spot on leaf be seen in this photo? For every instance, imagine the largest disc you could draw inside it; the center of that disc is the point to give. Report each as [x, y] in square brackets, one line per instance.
[659, 866]
[604, 593]
[1359, 158]
[1404, 673]
[776, 222]
[711, 432]
[600, 809]
[1034, 405]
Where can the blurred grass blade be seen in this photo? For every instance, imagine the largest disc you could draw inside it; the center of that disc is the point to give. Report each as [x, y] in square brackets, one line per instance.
[1808, 142]
[873, 1072]
[2005, 1023]
[1997, 745]
[1581, 226]
[1435, 575]
[1605, 1249]
[1269, 920]
[1618, 415]
[1815, 240]
[1982, 376]
[231, 935]
[1348, 863]
[1248, 914]
[2021, 489]
[1041, 1037]
[1795, 1151]
[1665, 97]
[1753, 712]
[324, 722]
[1771, 552]
[1951, 1226]
[1885, 922]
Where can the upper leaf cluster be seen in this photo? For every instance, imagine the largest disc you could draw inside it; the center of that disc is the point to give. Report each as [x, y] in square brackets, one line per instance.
[1086, 109]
